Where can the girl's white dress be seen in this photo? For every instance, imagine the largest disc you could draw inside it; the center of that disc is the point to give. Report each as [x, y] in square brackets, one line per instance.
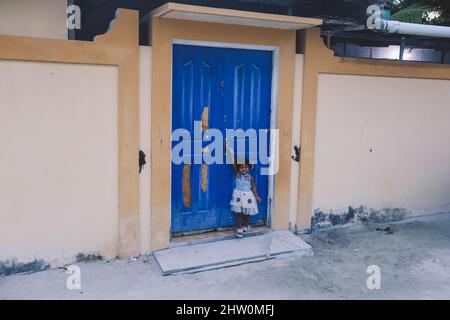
[243, 200]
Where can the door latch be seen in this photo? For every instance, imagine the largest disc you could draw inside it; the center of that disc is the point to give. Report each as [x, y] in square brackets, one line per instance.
[297, 151]
[141, 160]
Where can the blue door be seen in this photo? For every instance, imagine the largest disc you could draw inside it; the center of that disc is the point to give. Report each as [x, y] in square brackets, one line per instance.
[221, 89]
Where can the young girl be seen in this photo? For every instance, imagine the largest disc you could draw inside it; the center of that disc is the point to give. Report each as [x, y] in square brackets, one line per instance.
[245, 197]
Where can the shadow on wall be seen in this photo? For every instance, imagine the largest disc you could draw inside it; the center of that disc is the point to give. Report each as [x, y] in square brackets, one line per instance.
[324, 220]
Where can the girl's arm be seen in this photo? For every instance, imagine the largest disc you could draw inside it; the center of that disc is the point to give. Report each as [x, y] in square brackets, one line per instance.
[231, 154]
[255, 192]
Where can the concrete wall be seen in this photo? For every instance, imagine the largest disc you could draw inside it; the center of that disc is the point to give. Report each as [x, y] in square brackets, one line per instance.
[145, 75]
[382, 143]
[296, 136]
[34, 18]
[403, 175]
[70, 140]
[58, 161]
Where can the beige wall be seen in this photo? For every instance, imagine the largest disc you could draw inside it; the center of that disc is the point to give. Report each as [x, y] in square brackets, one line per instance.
[58, 161]
[34, 18]
[296, 130]
[119, 49]
[319, 60]
[405, 122]
[145, 74]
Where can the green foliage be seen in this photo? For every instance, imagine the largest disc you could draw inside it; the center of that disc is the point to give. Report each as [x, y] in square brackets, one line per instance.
[413, 13]
[421, 11]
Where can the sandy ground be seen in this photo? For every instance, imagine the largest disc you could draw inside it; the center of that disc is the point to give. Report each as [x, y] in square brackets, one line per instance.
[414, 262]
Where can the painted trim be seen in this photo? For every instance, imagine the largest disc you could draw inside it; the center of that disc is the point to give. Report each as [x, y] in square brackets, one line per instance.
[296, 136]
[273, 125]
[119, 47]
[320, 60]
[145, 55]
[229, 45]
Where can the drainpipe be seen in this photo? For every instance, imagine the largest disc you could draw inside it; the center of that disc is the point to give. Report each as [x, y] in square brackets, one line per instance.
[413, 29]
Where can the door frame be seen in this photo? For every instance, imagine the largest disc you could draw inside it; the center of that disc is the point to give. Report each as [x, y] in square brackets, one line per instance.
[273, 105]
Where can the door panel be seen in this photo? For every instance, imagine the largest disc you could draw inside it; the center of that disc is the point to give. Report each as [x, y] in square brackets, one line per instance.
[229, 89]
[249, 93]
[193, 84]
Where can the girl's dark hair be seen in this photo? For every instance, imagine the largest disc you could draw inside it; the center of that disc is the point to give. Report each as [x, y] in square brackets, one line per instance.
[246, 162]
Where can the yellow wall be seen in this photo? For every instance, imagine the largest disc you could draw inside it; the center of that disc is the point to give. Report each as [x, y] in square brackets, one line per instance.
[148, 228]
[145, 75]
[119, 48]
[296, 130]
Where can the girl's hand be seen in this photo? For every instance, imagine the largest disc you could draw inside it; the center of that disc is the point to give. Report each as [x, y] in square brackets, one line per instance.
[258, 198]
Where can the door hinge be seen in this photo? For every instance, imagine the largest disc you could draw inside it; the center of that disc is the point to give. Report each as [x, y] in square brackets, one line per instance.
[142, 161]
[297, 151]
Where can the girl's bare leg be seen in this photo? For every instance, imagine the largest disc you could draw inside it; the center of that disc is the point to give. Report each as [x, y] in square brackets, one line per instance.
[247, 220]
[239, 220]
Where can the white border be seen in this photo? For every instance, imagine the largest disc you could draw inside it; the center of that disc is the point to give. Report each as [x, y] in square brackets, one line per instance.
[273, 105]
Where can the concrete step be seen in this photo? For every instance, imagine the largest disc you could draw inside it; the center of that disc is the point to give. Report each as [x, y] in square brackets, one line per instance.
[227, 253]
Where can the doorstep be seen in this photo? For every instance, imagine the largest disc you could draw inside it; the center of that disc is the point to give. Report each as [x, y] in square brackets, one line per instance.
[232, 252]
[213, 236]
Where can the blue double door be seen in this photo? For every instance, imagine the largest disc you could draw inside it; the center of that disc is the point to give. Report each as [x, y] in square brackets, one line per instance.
[218, 88]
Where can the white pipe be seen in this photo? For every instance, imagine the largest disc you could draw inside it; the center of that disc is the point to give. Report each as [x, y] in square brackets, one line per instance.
[414, 29]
